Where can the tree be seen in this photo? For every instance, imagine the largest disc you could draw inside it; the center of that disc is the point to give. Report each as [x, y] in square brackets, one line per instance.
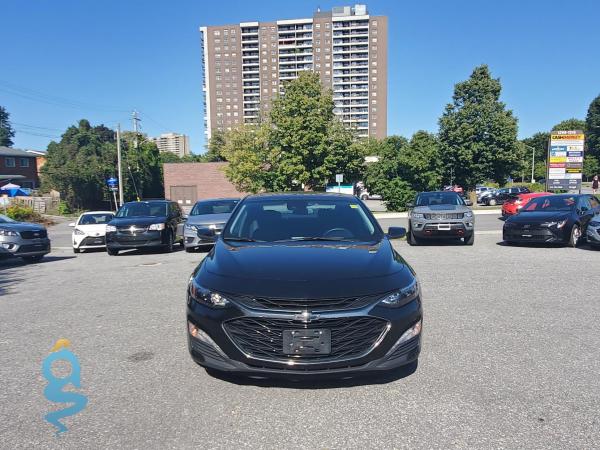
[215, 147]
[591, 166]
[6, 130]
[478, 135]
[301, 144]
[569, 124]
[592, 128]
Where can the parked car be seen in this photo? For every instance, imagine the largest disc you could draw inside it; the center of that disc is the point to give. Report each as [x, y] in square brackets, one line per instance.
[212, 213]
[145, 224]
[593, 231]
[455, 188]
[24, 240]
[440, 215]
[503, 194]
[362, 192]
[89, 231]
[561, 218]
[303, 284]
[516, 201]
[481, 197]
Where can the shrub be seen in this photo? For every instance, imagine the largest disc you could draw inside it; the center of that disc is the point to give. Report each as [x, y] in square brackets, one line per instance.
[396, 194]
[63, 208]
[22, 213]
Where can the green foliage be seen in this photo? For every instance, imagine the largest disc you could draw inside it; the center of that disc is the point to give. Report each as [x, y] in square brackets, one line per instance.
[22, 213]
[478, 135]
[569, 124]
[86, 156]
[301, 144]
[215, 147]
[397, 193]
[63, 208]
[6, 130]
[592, 128]
[591, 166]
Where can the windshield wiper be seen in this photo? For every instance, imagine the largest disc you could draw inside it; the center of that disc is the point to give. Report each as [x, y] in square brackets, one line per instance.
[239, 239]
[317, 238]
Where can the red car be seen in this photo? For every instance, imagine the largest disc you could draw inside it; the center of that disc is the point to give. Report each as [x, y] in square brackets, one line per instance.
[514, 204]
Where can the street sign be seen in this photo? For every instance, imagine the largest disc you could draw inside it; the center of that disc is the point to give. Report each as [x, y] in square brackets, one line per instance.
[112, 184]
[339, 178]
[565, 160]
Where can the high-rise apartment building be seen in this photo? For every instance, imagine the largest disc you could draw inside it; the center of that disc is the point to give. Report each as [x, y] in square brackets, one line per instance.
[246, 66]
[178, 144]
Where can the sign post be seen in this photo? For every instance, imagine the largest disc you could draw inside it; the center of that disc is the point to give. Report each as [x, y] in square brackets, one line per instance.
[339, 178]
[113, 185]
[565, 160]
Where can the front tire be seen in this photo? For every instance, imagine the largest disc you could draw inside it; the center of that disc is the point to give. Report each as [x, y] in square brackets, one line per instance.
[76, 250]
[32, 259]
[112, 252]
[492, 202]
[470, 240]
[412, 239]
[575, 236]
[169, 245]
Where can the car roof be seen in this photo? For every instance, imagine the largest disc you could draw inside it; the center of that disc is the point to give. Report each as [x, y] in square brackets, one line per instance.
[218, 199]
[438, 192]
[97, 212]
[299, 195]
[149, 201]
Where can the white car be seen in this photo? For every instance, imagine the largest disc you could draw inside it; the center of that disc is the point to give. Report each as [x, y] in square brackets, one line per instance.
[90, 230]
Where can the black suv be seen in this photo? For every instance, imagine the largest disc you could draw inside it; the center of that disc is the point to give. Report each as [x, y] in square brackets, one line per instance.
[503, 194]
[152, 223]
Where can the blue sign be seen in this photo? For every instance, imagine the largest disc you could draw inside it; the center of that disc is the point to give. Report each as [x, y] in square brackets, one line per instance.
[112, 182]
[54, 391]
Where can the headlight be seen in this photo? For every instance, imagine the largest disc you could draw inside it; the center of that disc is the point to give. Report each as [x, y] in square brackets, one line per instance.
[7, 233]
[206, 296]
[402, 296]
[416, 215]
[111, 228]
[189, 226]
[78, 231]
[559, 224]
[412, 332]
[469, 214]
[157, 227]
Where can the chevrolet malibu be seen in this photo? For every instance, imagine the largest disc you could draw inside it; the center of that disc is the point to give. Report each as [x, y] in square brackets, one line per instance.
[301, 284]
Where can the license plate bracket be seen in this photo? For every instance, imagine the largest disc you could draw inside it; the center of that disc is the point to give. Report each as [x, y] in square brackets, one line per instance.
[444, 226]
[315, 341]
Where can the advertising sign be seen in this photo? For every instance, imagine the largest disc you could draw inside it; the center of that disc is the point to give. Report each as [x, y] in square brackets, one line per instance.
[565, 160]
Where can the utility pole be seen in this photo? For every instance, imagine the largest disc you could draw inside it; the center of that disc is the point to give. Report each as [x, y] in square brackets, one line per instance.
[135, 119]
[119, 165]
[532, 164]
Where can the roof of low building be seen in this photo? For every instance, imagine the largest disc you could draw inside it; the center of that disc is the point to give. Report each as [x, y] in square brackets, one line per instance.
[8, 151]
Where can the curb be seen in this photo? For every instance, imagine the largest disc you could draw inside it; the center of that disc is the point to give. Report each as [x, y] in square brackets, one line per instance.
[404, 215]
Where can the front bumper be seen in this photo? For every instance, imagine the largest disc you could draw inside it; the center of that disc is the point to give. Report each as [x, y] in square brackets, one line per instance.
[116, 240]
[219, 350]
[423, 228]
[11, 246]
[191, 239]
[535, 234]
[83, 241]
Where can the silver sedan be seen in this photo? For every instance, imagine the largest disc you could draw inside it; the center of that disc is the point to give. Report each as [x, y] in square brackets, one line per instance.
[212, 214]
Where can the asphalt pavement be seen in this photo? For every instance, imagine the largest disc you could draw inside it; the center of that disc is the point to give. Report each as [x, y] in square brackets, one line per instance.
[511, 358]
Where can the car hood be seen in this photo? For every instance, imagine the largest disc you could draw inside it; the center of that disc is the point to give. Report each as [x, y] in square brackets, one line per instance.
[208, 219]
[22, 226]
[538, 217]
[441, 208]
[94, 230]
[304, 270]
[140, 221]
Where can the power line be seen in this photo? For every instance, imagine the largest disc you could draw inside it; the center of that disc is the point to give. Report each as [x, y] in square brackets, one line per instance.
[34, 126]
[31, 133]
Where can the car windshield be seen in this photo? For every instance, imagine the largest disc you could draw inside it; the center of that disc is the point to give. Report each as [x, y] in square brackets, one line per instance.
[550, 203]
[213, 207]
[439, 198]
[143, 209]
[95, 219]
[327, 219]
[5, 219]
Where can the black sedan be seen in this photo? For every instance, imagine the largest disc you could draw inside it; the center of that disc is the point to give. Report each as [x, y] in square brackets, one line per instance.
[145, 224]
[561, 219]
[301, 284]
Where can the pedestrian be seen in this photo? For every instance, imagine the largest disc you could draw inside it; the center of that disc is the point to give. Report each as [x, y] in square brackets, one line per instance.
[595, 184]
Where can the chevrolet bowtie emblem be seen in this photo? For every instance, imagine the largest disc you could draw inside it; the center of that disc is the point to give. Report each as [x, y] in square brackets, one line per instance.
[306, 317]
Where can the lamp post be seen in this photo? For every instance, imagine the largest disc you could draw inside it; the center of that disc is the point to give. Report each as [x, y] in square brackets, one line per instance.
[532, 162]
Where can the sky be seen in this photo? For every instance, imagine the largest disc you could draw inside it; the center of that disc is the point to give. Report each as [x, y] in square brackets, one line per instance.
[64, 60]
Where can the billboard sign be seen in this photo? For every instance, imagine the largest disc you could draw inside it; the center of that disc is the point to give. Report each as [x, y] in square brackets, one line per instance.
[565, 160]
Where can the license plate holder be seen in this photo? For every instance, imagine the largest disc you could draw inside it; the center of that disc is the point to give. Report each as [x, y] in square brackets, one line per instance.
[316, 341]
[443, 226]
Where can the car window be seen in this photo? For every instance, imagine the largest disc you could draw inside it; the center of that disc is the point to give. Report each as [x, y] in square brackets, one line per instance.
[584, 203]
[594, 202]
[551, 203]
[143, 209]
[213, 207]
[5, 219]
[95, 219]
[439, 198]
[269, 220]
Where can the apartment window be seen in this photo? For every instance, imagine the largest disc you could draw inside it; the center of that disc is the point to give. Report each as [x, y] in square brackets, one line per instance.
[264, 52]
[265, 67]
[264, 60]
[327, 49]
[374, 63]
[235, 106]
[373, 94]
[318, 49]
[317, 25]
[233, 55]
[266, 90]
[374, 124]
[273, 37]
[273, 44]
[263, 28]
[218, 77]
[327, 24]
[374, 32]
[217, 41]
[219, 100]
[273, 52]
[217, 56]
[374, 23]
[235, 114]
[274, 60]
[219, 92]
[264, 45]
[272, 28]
[374, 87]
[327, 33]
[374, 71]
[233, 31]
[374, 48]
[317, 58]
[274, 89]
[374, 39]
[227, 70]
[327, 80]
[219, 85]
[217, 49]
[327, 56]
[374, 109]
[318, 42]
[318, 66]
[373, 78]
[328, 72]
[274, 83]
[228, 100]
[318, 35]
[273, 75]
[234, 92]
[9, 162]
[228, 114]
[217, 33]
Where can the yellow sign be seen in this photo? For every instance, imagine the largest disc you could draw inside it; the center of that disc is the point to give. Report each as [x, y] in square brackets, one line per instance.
[558, 159]
[567, 137]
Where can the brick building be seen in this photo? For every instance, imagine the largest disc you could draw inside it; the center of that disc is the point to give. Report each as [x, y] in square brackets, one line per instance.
[187, 182]
[19, 167]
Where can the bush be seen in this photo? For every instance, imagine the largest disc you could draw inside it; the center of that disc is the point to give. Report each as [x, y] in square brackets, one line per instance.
[22, 213]
[533, 187]
[396, 194]
[63, 208]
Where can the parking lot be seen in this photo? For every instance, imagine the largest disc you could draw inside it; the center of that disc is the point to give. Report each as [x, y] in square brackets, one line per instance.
[511, 357]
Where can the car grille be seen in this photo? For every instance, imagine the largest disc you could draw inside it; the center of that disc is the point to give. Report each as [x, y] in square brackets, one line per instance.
[262, 338]
[98, 240]
[32, 248]
[129, 230]
[37, 234]
[304, 304]
[443, 216]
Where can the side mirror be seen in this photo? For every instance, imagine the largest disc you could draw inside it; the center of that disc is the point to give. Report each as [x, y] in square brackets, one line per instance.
[72, 224]
[396, 232]
[468, 203]
[207, 234]
[185, 216]
[410, 205]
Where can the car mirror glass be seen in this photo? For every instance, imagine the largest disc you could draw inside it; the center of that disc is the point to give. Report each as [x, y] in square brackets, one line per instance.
[468, 203]
[396, 232]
